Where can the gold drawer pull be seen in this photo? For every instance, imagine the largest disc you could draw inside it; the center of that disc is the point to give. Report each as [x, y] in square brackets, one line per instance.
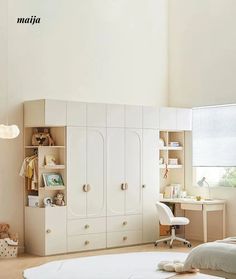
[144, 186]
[85, 188]
[126, 186]
[86, 226]
[125, 238]
[86, 242]
[48, 231]
[125, 223]
[123, 186]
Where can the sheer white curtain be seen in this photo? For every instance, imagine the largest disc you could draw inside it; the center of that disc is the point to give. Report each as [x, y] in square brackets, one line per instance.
[214, 136]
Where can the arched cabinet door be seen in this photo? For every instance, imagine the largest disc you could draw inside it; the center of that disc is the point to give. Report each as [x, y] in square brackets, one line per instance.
[76, 172]
[96, 167]
[115, 172]
[133, 171]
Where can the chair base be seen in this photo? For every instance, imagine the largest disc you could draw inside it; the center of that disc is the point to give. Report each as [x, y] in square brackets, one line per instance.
[172, 238]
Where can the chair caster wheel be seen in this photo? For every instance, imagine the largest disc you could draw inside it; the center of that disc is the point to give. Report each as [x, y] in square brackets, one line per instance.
[189, 245]
[165, 242]
[155, 244]
[185, 243]
[170, 246]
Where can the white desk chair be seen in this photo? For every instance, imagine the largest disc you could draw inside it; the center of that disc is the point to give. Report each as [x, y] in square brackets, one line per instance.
[166, 217]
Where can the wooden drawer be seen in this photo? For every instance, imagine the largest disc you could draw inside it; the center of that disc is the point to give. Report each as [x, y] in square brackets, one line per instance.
[86, 226]
[124, 223]
[116, 239]
[86, 242]
[189, 206]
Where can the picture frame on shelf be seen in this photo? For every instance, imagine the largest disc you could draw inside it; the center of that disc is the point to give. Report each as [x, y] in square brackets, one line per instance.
[52, 179]
[47, 202]
[50, 160]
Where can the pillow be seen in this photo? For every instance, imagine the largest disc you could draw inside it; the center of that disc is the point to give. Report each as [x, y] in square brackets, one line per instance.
[214, 256]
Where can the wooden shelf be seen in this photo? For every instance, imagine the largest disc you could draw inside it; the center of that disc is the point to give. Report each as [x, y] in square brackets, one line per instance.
[170, 166]
[52, 188]
[56, 167]
[171, 148]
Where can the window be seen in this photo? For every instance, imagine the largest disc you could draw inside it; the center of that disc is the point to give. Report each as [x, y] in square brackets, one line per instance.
[216, 176]
[214, 145]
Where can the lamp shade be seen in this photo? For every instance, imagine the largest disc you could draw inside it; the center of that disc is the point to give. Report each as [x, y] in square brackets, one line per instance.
[9, 131]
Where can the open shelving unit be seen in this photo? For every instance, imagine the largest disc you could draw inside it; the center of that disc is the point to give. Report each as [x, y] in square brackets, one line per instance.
[175, 173]
[58, 151]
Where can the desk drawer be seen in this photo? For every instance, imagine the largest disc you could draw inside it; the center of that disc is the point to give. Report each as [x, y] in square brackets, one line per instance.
[86, 242]
[116, 239]
[124, 223]
[86, 226]
[190, 206]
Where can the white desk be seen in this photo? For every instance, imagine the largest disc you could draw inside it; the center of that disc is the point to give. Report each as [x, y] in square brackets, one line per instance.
[204, 206]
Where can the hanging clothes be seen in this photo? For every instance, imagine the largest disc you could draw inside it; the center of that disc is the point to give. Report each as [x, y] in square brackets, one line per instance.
[29, 170]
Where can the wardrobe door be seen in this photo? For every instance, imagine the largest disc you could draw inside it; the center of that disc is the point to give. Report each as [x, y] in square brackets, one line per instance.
[115, 172]
[133, 171]
[96, 195]
[150, 184]
[76, 172]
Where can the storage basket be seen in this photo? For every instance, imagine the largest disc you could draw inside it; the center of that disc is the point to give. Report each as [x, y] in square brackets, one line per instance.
[6, 250]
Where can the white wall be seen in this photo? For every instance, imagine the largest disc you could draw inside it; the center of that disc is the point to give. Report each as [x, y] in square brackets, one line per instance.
[202, 66]
[111, 51]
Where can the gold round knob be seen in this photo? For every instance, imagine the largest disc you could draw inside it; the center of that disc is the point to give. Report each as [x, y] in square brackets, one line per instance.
[144, 186]
[125, 223]
[88, 187]
[125, 238]
[86, 242]
[86, 226]
[48, 231]
[84, 188]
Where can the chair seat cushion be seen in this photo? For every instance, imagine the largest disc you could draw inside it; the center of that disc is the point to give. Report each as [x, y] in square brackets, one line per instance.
[179, 221]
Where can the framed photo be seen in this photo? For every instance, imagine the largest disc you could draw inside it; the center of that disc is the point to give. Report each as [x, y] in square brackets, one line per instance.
[52, 179]
[47, 201]
[50, 160]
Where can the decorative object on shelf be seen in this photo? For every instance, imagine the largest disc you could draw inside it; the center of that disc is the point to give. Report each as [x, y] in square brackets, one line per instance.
[173, 161]
[50, 160]
[52, 179]
[174, 144]
[201, 183]
[42, 137]
[198, 198]
[161, 161]
[33, 201]
[166, 172]
[59, 199]
[161, 143]
[47, 202]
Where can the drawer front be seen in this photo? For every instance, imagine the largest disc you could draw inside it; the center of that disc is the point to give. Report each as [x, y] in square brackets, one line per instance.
[189, 206]
[124, 223]
[86, 226]
[86, 242]
[116, 239]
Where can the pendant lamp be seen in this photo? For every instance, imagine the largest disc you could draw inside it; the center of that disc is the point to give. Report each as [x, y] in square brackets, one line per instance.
[8, 131]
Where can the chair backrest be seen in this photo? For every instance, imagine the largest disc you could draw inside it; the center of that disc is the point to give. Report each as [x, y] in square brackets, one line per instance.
[164, 212]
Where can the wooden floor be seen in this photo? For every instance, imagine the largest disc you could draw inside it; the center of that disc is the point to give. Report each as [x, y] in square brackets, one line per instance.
[13, 268]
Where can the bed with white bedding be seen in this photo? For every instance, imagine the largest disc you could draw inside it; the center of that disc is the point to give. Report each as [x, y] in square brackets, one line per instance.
[214, 258]
[118, 266]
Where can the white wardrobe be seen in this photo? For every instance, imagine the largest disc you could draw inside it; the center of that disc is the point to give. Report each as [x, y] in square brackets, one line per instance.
[111, 175]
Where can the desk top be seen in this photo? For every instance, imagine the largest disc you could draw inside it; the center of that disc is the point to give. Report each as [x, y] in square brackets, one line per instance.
[192, 201]
[195, 276]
